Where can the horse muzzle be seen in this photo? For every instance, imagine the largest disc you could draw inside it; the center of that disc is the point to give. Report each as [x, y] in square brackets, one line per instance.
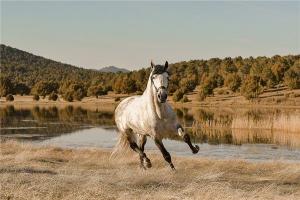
[162, 96]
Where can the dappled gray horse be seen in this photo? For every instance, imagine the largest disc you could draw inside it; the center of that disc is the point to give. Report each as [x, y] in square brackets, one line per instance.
[149, 115]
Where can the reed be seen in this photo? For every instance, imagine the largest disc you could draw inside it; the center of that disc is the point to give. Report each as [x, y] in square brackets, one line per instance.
[284, 123]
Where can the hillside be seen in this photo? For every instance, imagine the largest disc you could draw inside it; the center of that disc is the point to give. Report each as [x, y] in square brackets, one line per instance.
[25, 73]
[22, 66]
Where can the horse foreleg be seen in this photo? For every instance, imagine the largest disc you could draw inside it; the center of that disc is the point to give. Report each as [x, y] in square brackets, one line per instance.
[186, 138]
[164, 152]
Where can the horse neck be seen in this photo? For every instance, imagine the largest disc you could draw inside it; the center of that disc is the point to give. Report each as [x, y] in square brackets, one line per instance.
[151, 100]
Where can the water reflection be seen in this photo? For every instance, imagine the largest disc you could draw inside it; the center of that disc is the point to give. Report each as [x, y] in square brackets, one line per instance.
[240, 126]
[279, 127]
[40, 123]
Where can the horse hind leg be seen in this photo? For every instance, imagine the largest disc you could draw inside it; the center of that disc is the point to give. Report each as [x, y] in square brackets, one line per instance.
[145, 161]
[135, 147]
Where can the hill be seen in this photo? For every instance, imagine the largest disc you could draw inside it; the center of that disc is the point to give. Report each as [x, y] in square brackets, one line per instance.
[113, 69]
[22, 66]
[22, 71]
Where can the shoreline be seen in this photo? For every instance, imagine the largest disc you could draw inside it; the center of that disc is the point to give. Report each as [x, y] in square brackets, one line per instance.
[29, 172]
[108, 101]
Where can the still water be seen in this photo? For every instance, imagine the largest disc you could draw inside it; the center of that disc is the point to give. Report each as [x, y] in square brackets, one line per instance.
[222, 133]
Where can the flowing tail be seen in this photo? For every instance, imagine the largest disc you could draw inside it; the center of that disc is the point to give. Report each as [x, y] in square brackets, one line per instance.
[122, 146]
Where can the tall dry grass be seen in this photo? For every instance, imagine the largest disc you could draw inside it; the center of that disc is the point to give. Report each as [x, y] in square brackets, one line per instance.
[28, 172]
[284, 123]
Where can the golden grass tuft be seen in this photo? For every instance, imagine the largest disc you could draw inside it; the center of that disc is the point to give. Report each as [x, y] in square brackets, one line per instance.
[28, 172]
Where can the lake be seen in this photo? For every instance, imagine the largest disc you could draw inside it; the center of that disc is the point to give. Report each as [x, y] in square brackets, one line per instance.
[255, 134]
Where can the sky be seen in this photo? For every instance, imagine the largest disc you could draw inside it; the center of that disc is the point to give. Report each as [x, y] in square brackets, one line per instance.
[131, 34]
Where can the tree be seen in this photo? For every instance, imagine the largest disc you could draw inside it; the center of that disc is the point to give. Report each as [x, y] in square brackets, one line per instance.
[53, 96]
[97, 90]
[71, 90]
[233, 82]
[292, 77]
[268, 77]
[68, 96]
[22, 89]
[6, 86]
[36, 97]
[77, 91]
[128, 86]
[250, 87]
[43, 88]
[188, 84]
[279, 68]
[10, 97]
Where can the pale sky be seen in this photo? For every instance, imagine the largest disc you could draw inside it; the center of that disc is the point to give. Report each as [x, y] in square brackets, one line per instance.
[130, 34]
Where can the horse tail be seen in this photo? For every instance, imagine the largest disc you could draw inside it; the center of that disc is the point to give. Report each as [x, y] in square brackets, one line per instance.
[122, 145]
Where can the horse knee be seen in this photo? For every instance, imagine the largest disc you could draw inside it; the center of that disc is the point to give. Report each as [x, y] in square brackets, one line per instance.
[180, 130]
[133, 145]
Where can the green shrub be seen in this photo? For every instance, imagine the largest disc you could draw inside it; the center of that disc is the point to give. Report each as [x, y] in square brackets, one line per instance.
[36, 97]
[44, 88]
[178, 95]
[97, 90]
[188, 84]
[53, 96]
[10, 97]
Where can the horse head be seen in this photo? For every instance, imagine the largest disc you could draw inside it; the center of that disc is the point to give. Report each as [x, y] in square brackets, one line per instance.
[160, 81]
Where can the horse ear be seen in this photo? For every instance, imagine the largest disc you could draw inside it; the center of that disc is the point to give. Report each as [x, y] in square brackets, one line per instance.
[166, 65]
[152, 65]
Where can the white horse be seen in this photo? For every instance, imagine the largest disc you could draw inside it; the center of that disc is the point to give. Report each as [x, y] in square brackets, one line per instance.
[149, 115]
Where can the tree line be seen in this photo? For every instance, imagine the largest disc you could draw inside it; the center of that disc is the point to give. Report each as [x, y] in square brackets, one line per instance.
[24, 73]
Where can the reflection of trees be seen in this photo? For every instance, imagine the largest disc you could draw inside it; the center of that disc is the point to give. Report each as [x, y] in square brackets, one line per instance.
[211, 126]
[242, 126]
[211, 119]
[42, 122]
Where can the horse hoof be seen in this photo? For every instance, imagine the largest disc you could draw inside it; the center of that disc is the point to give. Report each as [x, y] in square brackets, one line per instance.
[172, 167]
[147, 163]
[196, 149]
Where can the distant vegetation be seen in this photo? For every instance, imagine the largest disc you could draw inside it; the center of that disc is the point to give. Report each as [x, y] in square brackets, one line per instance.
[24, 73]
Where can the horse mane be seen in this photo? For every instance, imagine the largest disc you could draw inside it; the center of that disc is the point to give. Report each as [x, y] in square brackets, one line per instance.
[159, 69]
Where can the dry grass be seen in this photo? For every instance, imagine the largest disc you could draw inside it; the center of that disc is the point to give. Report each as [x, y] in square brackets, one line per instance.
[286, 123]
[28, 172]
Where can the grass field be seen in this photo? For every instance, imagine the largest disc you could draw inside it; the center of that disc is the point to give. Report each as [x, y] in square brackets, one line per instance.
[281, 97]
[28, 172]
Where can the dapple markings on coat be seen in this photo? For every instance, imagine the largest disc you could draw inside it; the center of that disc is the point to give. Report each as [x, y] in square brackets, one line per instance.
[149, 115]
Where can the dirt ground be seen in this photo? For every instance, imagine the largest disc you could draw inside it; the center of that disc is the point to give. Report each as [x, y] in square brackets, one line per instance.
[31, 172]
